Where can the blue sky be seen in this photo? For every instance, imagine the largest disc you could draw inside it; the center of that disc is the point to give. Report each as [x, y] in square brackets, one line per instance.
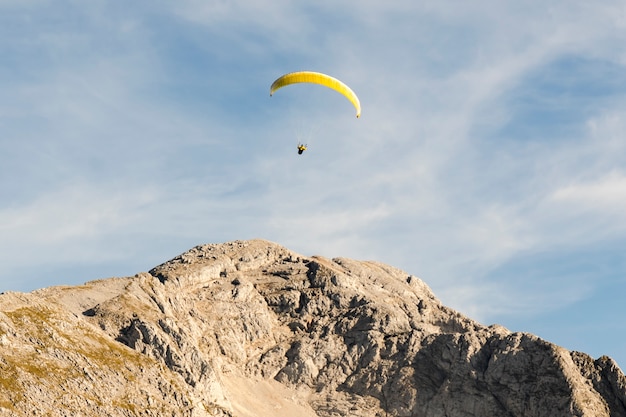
[489, 160]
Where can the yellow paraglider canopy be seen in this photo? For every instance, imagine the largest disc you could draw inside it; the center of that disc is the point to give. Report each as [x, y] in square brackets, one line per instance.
[317, 78]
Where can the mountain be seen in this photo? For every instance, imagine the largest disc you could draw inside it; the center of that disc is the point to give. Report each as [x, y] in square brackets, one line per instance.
[249, 328]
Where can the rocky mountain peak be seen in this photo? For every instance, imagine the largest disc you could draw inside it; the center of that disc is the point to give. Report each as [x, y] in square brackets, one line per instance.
[249, 328]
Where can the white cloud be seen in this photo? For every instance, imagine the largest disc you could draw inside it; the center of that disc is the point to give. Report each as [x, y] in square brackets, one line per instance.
[606, 194]
[501, 300]
[68, 216]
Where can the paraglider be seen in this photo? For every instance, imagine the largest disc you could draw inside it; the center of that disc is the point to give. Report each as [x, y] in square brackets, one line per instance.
[321, 79]
[316, 78]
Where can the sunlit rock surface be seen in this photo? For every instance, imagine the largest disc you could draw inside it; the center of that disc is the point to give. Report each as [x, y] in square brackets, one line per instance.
[249, 328]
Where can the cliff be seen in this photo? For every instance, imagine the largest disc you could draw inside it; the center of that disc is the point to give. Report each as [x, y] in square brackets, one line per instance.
[249, 328]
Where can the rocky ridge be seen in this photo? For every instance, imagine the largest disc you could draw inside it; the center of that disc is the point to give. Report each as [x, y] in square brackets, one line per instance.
[249, 328]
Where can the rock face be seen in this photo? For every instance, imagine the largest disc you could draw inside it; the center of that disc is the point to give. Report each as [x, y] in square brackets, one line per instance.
[249, 328]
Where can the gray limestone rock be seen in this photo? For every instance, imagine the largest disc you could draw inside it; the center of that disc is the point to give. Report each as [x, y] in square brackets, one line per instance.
[249, 328]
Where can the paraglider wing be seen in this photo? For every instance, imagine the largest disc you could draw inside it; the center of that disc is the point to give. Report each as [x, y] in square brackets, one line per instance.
[317, 78]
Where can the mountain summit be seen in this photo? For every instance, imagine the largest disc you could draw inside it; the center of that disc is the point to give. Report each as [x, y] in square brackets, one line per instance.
[249, 328]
